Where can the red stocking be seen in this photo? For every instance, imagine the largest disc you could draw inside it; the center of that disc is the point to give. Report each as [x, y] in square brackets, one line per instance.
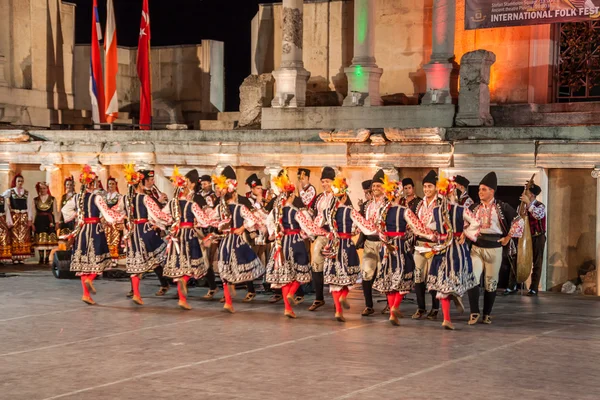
[345, 292]
[294, 288]
[91, 277]
[446, 308]
[336, 299]
[285, 291]
[227, 294]
[86, 292]
[179, 291]
[398, 299]
[135, 285]
[391, 296]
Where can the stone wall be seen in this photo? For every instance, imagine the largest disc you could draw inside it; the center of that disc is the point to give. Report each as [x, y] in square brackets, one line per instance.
[403, 46]
[181, 75]
[571, 224]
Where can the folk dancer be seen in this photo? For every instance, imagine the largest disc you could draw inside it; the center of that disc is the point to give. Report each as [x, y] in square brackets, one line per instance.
[237, 262]
[90, 254]
[499, 223]
[150, 189]
[44, 222]
[451, 272]
[5, 225]
[536, 211]
[422, 263]
[206, 191]
[255, 200]
[372, 244]
[145, 249]
[114, 233]
[19, 204]
[409, 198]
[322, 202]
[395, 276]
[65, 228]
[288, 224]
[184, 253]
[342, 265]
[462, 191]
[362, 208]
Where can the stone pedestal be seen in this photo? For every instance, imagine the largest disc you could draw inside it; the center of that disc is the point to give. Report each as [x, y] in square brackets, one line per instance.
[291, 77]
[439, 69]
[474, 96]
[364, 74]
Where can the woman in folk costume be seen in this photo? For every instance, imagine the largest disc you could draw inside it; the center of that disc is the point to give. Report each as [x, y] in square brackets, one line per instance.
[237, 261]
[451, 273]
[114, 233]
[395, 276]
[5, 224]
[64, 228]
[342, 264]
[20, 207]
[90, 249]
[289, 263]
[146, 250]
[44, 223]
[184, 253]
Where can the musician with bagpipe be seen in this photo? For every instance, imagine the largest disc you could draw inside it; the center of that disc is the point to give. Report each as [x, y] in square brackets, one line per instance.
[532, 243]
[499, 224]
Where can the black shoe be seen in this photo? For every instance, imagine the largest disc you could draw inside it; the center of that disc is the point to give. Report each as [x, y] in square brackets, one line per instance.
[367, 311]
[510, 291]
[531, 293]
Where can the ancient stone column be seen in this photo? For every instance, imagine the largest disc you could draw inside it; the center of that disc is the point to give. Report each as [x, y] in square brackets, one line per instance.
[291, 77]
[440, 65]
[4, 177]
[363, 75]
[474, 96]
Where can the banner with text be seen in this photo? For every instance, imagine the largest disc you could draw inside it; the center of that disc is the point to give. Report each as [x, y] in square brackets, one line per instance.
[495, 13]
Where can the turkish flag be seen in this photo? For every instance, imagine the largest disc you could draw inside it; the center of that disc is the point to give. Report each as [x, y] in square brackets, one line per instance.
[143, 69]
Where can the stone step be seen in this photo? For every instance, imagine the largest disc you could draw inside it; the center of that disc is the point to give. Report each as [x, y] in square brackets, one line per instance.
[210, 125]
[567, 118]
[230, 116]
[590, 106]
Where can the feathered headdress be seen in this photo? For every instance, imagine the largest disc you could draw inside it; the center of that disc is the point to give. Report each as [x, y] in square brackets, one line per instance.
[87, 176]
[132, 176]
[445, 185]
[221, 182]
[283, 183]
[339, 186]
[177, 179]
[389, 187]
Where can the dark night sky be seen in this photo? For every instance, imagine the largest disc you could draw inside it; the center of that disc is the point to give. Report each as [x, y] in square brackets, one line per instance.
[176, 22]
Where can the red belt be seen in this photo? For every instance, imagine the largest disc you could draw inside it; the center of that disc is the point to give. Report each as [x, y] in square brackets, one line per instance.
[140, 221]
[344, 235]
[291, 232]
[186, 224]
[455, 234]
[91, 220]
[396, 234]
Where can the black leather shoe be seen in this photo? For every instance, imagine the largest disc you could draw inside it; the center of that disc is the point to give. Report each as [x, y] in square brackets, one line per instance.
[531, 293]
[510, 291]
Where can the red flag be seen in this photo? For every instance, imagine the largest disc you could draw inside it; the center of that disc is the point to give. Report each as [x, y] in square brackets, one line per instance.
[143, 69]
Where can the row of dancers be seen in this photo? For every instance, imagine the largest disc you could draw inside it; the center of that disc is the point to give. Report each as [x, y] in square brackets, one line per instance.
[429, 252]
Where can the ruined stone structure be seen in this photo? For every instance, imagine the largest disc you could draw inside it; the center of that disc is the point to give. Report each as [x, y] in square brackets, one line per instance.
[321, 72]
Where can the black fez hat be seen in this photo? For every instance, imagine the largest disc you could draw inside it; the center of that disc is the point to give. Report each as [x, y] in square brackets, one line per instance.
[366, 185]
[431, 177]
[253, 181]
[328, 173]
[306, 171]
[205, 178]
[148, 173]
[229, 173]
[535, 190]
[461, 180]
[490, 180]
[407, 181]
[378, 177]
[192, 176]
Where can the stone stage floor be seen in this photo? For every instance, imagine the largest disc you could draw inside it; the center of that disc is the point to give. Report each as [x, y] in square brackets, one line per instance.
[55, 347]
